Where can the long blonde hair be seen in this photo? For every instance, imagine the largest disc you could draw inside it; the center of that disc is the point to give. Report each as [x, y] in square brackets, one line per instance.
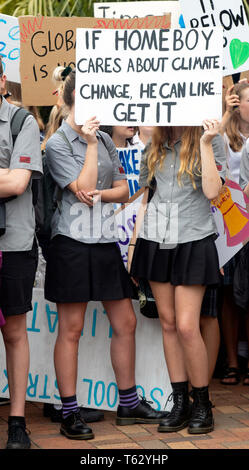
[190, 159]
[233, 126]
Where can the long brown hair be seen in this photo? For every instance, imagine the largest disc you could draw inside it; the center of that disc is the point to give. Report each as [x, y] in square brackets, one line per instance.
[190, 159]
[233, 126]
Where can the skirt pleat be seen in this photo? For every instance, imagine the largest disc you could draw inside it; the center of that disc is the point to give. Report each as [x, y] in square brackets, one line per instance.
[191, 263]
[81, 272]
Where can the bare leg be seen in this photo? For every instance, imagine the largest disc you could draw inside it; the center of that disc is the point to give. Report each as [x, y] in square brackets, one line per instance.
[17, 358]
[246, 380]
[164, 296]
[188, 301]
[71, 321]
[230, 328]
[210, 332]
[123, 321]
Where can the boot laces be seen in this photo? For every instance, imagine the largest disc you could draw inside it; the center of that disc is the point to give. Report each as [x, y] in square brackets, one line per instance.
[145, 402]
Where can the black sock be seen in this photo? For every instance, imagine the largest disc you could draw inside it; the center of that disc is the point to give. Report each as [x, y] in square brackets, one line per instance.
[17, 419]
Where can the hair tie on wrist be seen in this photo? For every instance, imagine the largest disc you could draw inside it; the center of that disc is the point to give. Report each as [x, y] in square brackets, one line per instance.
[66, 72]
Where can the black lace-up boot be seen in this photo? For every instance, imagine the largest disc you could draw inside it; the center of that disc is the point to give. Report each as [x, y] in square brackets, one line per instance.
[179, 416]
[201, 420]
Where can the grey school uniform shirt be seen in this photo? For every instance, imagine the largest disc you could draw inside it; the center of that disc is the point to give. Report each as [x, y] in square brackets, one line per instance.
[73, 218]
[26, 154]
[244, 166]
[178, 214]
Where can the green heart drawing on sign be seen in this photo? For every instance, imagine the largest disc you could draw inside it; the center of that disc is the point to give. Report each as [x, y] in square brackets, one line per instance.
[239, 52]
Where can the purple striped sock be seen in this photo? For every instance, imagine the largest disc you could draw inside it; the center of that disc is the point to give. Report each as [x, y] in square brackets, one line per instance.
[129, 397]
[69, 405]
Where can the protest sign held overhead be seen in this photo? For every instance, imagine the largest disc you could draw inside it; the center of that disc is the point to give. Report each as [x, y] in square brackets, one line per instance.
[149, 77]
[10, 47]
[231, 16]
[139, 9]
[47, 42]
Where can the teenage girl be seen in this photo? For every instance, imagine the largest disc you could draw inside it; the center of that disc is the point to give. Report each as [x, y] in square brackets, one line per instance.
[176, 252]
[84, 262]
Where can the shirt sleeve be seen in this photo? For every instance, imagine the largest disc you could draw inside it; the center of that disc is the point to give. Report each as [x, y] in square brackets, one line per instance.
[244, 166]
[27, 150]
[144, 172]
[220, 156]
[63, 167]
[118, 172]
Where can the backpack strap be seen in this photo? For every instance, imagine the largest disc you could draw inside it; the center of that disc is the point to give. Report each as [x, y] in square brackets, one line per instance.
[17, 122]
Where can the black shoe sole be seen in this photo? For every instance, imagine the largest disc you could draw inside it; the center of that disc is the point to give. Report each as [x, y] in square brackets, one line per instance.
[128, 421]
[201, 430]
[79, 437]
[18, 446]
[163, 428]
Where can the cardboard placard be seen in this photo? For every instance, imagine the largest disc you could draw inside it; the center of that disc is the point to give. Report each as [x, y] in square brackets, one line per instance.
[139, 9]
[149, 78]
[47, 42]
[231, 16]
[10, 47]
[230, 211]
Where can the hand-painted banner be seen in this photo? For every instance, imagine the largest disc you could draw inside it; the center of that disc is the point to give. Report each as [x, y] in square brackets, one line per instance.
[139, 9]
[230, 211]
[47, 42]
[10, 46]
[97, 387]
[149, 78]
[231, 16]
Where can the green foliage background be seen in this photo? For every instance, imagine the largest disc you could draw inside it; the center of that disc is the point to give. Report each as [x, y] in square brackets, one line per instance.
[59, 8]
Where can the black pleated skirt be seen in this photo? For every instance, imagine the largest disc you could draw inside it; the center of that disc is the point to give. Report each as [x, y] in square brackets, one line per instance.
[80, 272]
[188, 263]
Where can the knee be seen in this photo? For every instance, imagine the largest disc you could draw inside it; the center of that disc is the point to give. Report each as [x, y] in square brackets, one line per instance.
[71, 334]
[187, 332]
[127, 327]
[13, 336]
[168, 324]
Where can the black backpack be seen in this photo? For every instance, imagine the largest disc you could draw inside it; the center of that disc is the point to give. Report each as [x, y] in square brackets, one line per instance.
[45, 192]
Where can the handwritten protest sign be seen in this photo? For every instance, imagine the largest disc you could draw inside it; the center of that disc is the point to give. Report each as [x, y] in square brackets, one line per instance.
[149, 77]
[47, 42]
[232, 17]
[232, 220]
[138, 9]
[125, 218]
[130, 158]
[10, 47]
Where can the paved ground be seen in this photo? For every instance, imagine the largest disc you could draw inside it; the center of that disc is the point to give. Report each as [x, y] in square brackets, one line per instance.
[231, 429]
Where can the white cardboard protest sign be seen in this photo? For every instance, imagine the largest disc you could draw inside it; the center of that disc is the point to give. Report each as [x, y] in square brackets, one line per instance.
[10, 46]
[149, 77]
[231, 16]
[230, 212]
[138, 9]
[96, 381]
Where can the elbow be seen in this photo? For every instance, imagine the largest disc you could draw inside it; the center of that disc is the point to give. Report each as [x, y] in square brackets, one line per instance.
[213, 193]
[19, 189]
[125, 196]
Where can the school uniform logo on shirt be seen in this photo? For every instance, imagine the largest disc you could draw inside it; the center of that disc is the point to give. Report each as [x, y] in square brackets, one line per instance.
[24, 159]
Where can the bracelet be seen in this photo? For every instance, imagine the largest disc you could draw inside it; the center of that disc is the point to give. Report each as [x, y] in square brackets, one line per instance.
[132, 244]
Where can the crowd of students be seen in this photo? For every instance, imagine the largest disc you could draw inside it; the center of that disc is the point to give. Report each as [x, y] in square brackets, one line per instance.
[174, 251]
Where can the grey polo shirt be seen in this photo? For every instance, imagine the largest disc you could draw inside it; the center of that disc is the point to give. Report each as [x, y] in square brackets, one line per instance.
[244, 166]
[73, 218]
[178, 214]
[20, 216]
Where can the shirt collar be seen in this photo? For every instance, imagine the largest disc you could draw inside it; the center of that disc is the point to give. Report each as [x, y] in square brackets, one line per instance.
[72, 134]
[4, 110]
